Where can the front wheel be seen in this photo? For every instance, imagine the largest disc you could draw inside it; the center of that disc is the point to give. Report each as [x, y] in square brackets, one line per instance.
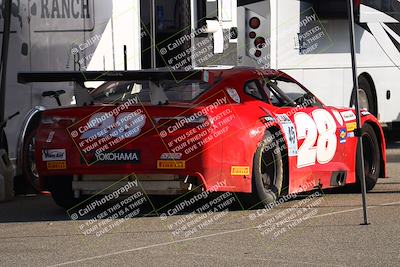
[372, 157]
[268, 170]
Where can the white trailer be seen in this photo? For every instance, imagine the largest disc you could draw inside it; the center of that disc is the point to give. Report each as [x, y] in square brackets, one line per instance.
[63, 35]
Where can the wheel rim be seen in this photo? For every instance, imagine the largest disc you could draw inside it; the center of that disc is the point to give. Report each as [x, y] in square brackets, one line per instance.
[363, 99]
[370, 155]
[268, 169]
[32, 163]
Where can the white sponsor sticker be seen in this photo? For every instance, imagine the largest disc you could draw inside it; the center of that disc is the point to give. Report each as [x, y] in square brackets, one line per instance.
[365, 113]
[283, 118]
[291, 138]
[348, 115]
[233, 94]
[50, 137]
[54, 154]
[290, 133]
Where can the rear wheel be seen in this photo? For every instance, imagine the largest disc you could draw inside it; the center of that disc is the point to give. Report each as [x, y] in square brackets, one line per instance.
[60, 188]
[372, 157]
[268, 170]
[29, 169]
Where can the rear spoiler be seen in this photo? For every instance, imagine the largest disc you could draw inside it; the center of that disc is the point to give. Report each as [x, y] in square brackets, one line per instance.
[85, 76]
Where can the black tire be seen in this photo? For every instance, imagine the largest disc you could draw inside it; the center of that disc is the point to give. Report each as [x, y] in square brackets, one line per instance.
[268, 170]
[366, 91]
[28, 181]
[60, 188]
[4, 144]
[372, 157]
[30, 175]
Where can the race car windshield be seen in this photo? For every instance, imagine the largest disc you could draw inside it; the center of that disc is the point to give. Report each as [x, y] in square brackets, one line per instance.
[157, 92]
[287, 93]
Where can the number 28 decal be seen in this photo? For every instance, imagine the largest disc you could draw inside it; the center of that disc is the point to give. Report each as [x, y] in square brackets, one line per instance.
[320, 128]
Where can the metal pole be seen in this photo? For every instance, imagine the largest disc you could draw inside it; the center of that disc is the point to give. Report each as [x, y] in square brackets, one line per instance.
[125, 58]
[153, 33]
[360, 163]
[4, 58]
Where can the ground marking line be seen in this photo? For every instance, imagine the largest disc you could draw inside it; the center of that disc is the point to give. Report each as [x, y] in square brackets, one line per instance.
[199, 237]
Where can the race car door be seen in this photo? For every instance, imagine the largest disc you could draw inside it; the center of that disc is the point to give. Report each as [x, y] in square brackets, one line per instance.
[318, 151]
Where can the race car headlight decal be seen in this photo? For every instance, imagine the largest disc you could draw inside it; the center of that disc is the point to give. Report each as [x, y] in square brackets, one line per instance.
[181, 122]
[62, 121]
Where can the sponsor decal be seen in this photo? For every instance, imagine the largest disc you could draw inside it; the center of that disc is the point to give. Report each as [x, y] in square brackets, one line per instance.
[320, 129]
[233, 94]
[268, 119]
[342, 135]
[365, 113]
[350, 135]
[50, 137]
[171, 156]
[283, 118]
[54, 154]
[348, 115]
[350, 127]
[171, 164]
[240, 170]
[290, 133]
[206, 76]
[120, 157]
[57, 165]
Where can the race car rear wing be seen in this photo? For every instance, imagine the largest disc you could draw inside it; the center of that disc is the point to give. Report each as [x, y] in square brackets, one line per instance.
[86, 76]
[81, 92]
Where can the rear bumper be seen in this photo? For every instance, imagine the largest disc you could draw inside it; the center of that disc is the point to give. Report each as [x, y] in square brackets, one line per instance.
[151, 187]
[150, 182]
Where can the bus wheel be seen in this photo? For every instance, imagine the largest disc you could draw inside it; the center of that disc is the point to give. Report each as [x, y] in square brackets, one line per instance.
[372, 158]
[366, 96]
[268, 170]
[60, 188]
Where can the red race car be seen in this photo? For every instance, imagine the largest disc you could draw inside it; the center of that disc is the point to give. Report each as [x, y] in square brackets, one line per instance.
[226, 130]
